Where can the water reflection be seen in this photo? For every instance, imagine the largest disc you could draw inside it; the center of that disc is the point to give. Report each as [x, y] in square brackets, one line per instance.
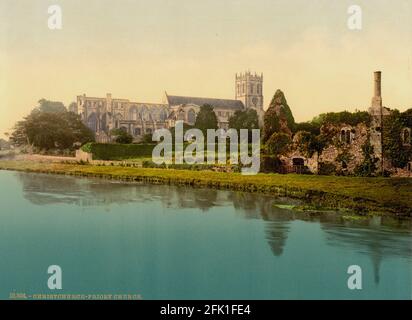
[375, 241]
[374, 237]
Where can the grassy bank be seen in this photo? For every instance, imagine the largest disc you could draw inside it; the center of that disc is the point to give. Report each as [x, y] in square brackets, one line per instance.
[390, 196]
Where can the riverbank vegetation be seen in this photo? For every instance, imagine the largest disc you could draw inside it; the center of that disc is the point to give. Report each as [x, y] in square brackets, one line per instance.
[360, 194]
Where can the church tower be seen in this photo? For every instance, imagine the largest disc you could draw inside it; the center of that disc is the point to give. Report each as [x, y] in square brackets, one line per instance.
[249, 90]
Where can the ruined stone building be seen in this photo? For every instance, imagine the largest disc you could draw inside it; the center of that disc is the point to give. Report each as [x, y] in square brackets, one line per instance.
[137, 118]
[345, 151]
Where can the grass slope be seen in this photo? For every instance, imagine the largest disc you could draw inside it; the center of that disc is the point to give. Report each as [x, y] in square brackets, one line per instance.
[379, 195]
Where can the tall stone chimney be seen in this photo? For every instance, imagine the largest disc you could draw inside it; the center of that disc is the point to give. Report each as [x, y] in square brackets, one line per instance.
[377, 98]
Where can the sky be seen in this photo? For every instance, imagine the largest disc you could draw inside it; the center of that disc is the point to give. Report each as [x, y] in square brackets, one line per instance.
[137, 49]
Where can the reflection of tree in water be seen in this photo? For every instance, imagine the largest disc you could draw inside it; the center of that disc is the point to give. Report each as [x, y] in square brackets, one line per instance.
[276, 235]
[371, 238]
[43, 189]
[370, 235]
[277, 221]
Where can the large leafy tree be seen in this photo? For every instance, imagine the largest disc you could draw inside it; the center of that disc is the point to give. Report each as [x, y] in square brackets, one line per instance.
[278, 117]
[122, 136]
[247, 119]
[278, 144]
[309, 144]
[206, 119]
[50, 126]
[50, 106]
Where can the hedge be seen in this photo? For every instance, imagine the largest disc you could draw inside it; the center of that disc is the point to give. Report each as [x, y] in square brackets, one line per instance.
[111, 151]
[116, 151]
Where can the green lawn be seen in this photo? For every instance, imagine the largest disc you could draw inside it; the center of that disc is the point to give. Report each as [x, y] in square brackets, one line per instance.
[387, 195]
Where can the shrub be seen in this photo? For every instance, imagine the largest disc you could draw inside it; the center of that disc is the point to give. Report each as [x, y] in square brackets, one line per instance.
[107, 151]
[327, 168]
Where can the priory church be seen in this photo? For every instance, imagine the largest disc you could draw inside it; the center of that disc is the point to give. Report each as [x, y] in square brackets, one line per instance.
[102, 115]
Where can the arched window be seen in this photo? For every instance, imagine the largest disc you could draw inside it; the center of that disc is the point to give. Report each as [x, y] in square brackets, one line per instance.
[144, 113]
[181, 115]
[343, 136]
[163, 115]
[137, 131]
[252, 88]
[133, 113]
[92, 122]
[348, 136]
[191, 116]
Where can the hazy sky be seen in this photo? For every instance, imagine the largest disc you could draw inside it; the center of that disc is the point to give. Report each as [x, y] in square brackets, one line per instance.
[137, 49]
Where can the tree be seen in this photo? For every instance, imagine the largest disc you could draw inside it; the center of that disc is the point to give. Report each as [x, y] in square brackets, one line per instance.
[278, 144]
[247, 119]
[308, 144]
[281, 99]
[350, 118]
[72, 107]
[50, 106]
[206, 119]
[122, 136]
[49, 126]
[278, 117]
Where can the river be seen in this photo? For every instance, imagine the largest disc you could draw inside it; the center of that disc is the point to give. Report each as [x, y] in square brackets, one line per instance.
[168, 242]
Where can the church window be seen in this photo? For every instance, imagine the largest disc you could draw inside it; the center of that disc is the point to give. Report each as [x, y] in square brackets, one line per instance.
[137, 131]
[252, 87]
[163, 115]
[243, 88]
[92, 122]
[149, 130]
[133, 114]
[181, 115]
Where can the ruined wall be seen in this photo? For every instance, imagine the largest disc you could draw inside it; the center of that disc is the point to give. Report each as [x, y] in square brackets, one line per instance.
[345, 151]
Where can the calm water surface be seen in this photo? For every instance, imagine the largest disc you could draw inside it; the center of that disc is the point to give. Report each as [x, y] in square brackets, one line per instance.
[166, 242]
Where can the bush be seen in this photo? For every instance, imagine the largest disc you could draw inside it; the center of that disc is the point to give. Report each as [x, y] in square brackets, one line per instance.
[107, 151]
[326, 169]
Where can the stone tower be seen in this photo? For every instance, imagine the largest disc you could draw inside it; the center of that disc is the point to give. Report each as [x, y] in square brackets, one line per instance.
[377, 112]
[249, 90]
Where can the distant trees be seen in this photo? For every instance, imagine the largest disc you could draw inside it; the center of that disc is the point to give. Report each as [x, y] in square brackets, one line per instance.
[50, 126]
[349, 118]
[121, 136]
[206, 119]
[247, 119]
[50, 106]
